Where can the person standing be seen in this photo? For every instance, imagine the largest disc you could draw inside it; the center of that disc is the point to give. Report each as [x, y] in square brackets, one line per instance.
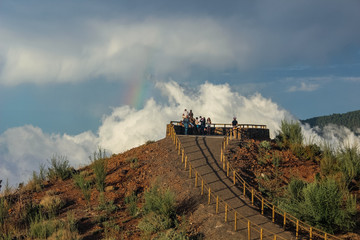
[202, 125]
[185, 114]
[234, 125]
[191, 114]
[186, 124]
[208, 125]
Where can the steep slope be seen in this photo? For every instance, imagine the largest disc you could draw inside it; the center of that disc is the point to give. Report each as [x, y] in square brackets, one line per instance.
[110, 218]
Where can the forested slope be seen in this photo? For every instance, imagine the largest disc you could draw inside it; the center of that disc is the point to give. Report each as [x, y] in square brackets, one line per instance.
[350, 120]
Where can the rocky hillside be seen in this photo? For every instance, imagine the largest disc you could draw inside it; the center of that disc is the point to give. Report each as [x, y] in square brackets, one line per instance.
[76, 209]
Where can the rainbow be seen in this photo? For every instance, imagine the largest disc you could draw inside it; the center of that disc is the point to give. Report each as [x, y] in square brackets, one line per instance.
[137, 93]
[139, 89]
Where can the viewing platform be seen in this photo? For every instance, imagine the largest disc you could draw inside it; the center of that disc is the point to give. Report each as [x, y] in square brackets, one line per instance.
[241, 132]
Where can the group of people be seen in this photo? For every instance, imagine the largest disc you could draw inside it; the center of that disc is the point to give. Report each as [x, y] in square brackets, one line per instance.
[198, 124]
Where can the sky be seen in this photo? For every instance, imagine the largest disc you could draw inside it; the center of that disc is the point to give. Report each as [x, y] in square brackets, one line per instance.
[75, 75]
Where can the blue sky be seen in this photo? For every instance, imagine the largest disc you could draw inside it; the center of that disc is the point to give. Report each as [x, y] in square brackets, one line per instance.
[304, 55]
[67, 68]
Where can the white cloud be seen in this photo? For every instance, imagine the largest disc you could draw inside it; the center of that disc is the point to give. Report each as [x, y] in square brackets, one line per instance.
[304, 87]
[22, 149]
[115, 50]
[118, 47]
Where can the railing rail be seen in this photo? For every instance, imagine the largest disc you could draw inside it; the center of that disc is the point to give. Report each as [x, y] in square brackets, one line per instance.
[264, 203]
[226, 125]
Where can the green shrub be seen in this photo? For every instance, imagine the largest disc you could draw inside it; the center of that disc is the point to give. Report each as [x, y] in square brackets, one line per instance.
[4, 207]
[348, 160]
[328, 163]
[159, 209]
[99, 165]
[321, 204]
[105, 205]
[42, 228]
[111, 229]
[131, 203]
[52, 204]
[295, 189]
[276, 160]
[59, 169]
[154, 222]
[29, 212]
[160, 201]
[290, 135]
[265, 145]
[83, 184]
[172, 234]
[311, 152]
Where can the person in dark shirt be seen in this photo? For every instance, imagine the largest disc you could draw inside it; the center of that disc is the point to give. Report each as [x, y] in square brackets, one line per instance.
[234, 124]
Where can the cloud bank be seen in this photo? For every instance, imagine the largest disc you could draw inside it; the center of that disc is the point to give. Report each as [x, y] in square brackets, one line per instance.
[22, 149]
[246, 36]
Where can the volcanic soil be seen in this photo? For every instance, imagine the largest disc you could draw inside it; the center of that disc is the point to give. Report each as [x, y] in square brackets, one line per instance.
[157, 162]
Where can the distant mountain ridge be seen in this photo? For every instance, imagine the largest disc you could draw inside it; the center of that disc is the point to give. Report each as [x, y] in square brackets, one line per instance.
[350, 120]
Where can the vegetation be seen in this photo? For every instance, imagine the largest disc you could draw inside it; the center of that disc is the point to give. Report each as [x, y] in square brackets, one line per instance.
[81, 182]
[326, 202]
[350, 120]
[131, 203]
[159, 209]
[107, 206]
[99, 165]
[322, 204]
[59, 169]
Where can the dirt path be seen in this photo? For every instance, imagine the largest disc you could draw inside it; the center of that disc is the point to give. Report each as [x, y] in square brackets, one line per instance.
[204, 156]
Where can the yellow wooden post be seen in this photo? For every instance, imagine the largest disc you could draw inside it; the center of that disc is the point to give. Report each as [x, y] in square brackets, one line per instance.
[202, 187]
[234, 176]
[325, 237]
[228, 169]
[226, 212]
[196, 179]
[262, 206]
[284, 220]
[227, 140]
[273, 213]
[310, 233]
[221, 156]
[261, 234]
[224, 164]
[252, 196]
[235, 221]
[189, 170]
[297, 229]
[249, 231]
[217, 204]
[244, 187]
[185, 162]
[274, 237]
[209, 199]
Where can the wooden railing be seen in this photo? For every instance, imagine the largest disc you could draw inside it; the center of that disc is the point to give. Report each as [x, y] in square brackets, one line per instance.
[258, 200]
[238, 218]
[226, 125]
